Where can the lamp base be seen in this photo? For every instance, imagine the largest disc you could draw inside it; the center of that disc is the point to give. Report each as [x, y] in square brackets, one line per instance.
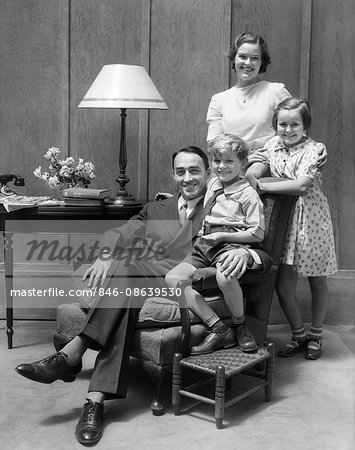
[123, 200]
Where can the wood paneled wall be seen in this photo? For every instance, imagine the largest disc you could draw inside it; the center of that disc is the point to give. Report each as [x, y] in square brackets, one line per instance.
[51, 51]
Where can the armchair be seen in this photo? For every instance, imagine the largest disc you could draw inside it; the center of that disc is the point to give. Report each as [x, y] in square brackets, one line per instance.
[158, 331]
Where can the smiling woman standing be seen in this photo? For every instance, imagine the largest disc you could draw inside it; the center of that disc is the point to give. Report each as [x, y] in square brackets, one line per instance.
[247, 108]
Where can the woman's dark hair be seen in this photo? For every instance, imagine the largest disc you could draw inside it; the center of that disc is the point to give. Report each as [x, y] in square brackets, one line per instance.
[294, 103]
[192, 149]
[250, 38]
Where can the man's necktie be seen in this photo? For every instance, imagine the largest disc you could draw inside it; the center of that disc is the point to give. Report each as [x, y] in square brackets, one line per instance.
[183, 214]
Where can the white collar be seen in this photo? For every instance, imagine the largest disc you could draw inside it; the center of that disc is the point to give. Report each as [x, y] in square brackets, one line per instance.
[190, 203]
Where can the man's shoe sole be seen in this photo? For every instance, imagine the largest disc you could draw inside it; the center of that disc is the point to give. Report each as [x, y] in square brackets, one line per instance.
[39, 380]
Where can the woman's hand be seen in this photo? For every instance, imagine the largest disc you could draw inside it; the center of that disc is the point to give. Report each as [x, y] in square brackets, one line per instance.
[97, 272]
[234, 263]
[213, 238]
[322, 157]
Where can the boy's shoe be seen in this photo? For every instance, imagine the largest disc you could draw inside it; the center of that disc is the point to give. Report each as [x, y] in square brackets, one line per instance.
[244, 337]
[314, 348]
[214, 341]
[292, 348]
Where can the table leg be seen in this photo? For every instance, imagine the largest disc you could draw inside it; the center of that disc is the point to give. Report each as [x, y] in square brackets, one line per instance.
[219, 396]
[8, 258]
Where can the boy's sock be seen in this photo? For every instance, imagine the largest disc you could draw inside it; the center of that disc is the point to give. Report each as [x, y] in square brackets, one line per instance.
[238, 320]
[219, 327]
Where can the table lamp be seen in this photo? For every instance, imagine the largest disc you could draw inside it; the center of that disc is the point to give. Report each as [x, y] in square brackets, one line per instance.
[125, 87]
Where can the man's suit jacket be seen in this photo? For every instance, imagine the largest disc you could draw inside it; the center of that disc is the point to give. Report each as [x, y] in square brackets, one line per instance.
[156, 229]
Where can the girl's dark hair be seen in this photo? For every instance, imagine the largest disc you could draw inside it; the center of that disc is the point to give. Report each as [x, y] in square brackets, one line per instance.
[294, 103]
[192, 149]
[250, 38]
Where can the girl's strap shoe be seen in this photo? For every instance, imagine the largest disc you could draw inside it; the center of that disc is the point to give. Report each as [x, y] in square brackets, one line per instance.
[314, 348]
[292, 348]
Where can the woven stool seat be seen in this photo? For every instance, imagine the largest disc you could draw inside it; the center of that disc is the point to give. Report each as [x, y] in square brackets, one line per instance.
[221, 365]
[234, 361]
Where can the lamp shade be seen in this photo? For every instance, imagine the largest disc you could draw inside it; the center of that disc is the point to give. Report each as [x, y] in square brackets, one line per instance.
[123, 86]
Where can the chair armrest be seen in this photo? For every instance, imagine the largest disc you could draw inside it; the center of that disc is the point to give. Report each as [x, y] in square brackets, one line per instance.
[184, 345]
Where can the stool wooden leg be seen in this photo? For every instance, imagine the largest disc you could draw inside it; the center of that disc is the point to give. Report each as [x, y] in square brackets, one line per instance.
[219, 396]
[269, 371]
[176, 383]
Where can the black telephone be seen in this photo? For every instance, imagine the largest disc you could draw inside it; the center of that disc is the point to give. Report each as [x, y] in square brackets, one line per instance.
[4, 179]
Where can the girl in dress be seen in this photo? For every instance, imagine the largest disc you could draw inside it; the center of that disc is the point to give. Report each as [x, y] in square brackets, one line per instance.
[309, 248]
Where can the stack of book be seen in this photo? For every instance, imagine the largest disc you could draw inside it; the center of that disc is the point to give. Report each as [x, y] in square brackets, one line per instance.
[85, 197]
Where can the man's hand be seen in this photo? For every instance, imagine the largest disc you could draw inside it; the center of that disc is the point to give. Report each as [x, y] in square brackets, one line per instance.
[213, 238]
[98, 270]
[234, 262]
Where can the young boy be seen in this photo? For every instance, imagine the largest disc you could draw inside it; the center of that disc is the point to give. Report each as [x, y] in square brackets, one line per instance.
[234, 218]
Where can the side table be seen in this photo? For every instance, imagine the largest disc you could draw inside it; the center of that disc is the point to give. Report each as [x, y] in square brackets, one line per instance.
[222, 365]
[53, 219]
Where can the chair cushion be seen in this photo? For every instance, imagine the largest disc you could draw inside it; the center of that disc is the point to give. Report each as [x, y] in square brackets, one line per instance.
[159, 344]
[70, 319]
[155, 313]
[162, 312]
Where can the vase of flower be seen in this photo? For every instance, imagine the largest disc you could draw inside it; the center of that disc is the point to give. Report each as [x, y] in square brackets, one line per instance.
[65, 173]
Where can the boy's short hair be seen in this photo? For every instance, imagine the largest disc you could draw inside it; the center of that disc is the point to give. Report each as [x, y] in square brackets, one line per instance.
[230, 142]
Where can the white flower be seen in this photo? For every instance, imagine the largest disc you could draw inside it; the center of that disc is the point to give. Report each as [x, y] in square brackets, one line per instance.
[65, 172]
[52, 152]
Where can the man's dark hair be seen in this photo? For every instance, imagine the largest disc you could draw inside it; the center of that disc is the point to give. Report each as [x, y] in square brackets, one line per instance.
[192, 149]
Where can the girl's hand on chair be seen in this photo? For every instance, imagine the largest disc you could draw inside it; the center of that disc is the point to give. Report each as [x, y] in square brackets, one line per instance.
[254, 183]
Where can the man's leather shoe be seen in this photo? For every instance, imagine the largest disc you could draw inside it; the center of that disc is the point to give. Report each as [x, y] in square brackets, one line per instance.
[89, 428]
[245, 339]
[292, 348]
[314, 349]
[47, 370]
[214, 341]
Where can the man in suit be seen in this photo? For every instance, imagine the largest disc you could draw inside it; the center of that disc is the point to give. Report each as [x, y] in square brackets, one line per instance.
[161, 227]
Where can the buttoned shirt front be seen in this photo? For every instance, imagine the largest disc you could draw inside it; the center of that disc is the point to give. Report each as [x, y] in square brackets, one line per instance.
[238, 206]
[191, 204]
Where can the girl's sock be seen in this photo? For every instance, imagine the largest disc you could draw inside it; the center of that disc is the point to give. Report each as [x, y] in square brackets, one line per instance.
[315, 333]
[299, 333]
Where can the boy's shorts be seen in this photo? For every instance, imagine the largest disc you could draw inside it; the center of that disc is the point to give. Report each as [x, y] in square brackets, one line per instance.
[207, 255]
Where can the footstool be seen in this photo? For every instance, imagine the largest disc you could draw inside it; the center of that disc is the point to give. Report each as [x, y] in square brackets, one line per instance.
[222, 365]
